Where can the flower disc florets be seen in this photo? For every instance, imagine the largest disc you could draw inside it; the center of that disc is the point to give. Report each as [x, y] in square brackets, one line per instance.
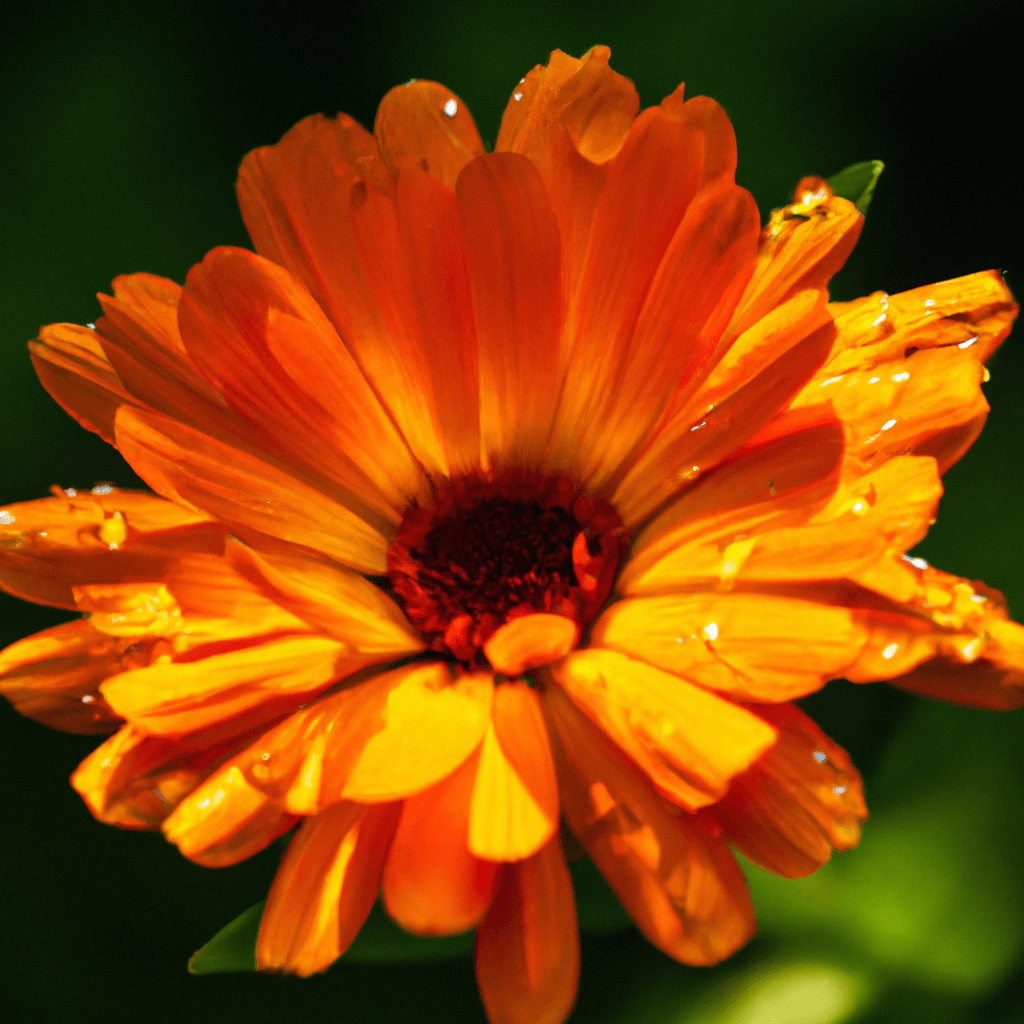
[485, 552]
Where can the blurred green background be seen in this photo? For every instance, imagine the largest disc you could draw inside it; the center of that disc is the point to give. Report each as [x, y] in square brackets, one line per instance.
[122, 127]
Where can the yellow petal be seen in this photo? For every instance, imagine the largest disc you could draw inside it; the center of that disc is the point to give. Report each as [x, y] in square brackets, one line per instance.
[690, 742]
[514, 808]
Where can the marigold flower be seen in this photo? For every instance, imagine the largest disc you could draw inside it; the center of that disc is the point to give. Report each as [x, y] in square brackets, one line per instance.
[498, 489]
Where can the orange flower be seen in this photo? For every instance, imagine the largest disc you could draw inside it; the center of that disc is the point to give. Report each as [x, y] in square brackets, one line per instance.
[506, 488]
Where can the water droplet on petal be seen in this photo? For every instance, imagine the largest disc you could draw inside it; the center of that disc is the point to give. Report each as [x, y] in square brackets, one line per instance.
[890, 651]
[711, 631]
[451, 108]
[517, 96]
[820, 756]
[889, 424]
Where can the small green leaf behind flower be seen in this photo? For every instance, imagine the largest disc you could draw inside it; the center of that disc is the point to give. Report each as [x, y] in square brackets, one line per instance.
[857, 182]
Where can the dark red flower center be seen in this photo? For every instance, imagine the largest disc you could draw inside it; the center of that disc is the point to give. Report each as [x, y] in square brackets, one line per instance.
[484, 552]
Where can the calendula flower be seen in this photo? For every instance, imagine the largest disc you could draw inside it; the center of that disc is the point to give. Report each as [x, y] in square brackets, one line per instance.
[496, 490]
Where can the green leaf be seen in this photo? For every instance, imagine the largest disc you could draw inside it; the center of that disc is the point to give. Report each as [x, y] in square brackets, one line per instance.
[597, 907]
[233, 948]
[857, 182]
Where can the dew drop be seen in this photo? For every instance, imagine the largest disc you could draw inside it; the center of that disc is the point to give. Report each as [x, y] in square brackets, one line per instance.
[889, 424]
[820, 756]
[890, 651]
[711, 631]
[517, 96]
[451, 108]
[839, 790]
[6, 518]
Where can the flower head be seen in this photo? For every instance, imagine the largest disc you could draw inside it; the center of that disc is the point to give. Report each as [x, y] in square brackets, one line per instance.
[498, 490]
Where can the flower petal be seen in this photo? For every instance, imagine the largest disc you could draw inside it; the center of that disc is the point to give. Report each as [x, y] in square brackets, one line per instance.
[321, 203]
[514, 808]
[661, 159]
[426, 124]
[690, 742]
[512, 249]
[50, 545]
[888, 509]
[254, 499]
[778, 483]
[262, 680]
[139, 335]
[53, 677]
[594, 105]
[570, 118]
[432, 884]
[701, 435]
[375, 740]
[929, 403]
[976, 311]
[342, 603]
[528, 947]
[135, 781]
[674, 876]
[74, 369]
[801, 247]
[238, 822]
[531, 641]
[940, 636]
[762, 647]
[798, 802]
[673, 341]
[324, 888]
[258, 335]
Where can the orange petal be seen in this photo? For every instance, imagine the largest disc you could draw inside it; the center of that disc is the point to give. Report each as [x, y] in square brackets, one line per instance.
[531, 641]
[941, 636]
[929, 403]
[528, 947]
[674, 876]
[594, 105]
[376, 740]
[321, 204]
[237, 822]
[258, 335]
[701, 434]
[425, 124]
[886, 510]
[324, 888]
[53, 677]
[514, 809]
[267, 679]
[801, 247]
[798, 802]
[432, 242]
[705, 532]
[661, 159]
[688, 303]
[512, 249]
[975, 312]
[135, 781]
[342, 603]
[253, 498]
[51, 545]
[751, 646]
[432, 884]
[74, 369]
[704, 114]
[139, 335]
[564, 117]
[690, 742]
